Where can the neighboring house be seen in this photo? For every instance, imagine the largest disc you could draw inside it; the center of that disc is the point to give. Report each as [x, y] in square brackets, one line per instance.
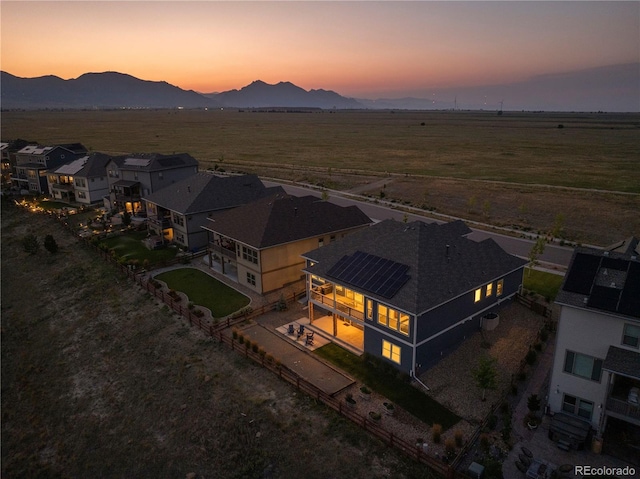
[134, 176]
[178, 212]
[33, 161]
[596, 368]
[261, 243]
[5, 161]
[8, 154]
[90, 182]
[408, 292]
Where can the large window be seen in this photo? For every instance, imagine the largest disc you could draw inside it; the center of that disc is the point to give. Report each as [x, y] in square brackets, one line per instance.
[478, 295]
[582, 365]
[489, 289]
[499, 287]
[631, 335]
[393, 319]
[250, 255]
[577, 406]
[391, 351]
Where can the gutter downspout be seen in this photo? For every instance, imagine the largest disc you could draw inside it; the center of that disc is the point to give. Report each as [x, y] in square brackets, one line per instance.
[419, 382]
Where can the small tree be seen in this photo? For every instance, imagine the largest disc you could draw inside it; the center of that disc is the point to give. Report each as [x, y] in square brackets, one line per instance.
[30, 244]
[536, 251]
[486, 375]
[126, 218]
[50, 244]
[533, 403]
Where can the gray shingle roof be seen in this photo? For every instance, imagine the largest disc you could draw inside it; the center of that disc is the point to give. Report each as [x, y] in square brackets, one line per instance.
[280, 219]
[622, 361]
[443, 263]
[155, 161]
[206, 192]
[96, 165]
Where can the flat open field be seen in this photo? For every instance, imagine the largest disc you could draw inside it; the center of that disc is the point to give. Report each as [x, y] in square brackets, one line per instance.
[477, 151]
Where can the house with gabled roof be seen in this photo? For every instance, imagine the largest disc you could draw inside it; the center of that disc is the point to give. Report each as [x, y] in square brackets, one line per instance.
[33, 161]
[133, 176]
[408, 292]
[260, 244]
[176, 213]
[595, 379]
[90, 182]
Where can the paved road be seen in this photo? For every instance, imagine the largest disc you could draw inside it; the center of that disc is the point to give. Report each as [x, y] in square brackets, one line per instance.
[553, 254]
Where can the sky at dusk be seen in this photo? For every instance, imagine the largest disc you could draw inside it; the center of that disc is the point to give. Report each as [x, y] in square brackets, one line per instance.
[362, 49]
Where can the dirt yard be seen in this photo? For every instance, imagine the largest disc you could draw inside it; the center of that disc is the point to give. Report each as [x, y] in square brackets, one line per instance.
[99, 380]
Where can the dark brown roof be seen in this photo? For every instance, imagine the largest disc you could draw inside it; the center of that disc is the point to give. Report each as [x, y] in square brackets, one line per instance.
[280, 219]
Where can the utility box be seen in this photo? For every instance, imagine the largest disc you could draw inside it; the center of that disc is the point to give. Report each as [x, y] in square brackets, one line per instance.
[476, 471]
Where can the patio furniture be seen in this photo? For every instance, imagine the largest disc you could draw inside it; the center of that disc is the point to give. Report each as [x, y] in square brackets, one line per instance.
[524, 460]
[300, 331]
[538, 469]
[290, 331]
[309, 341]
[526, 452]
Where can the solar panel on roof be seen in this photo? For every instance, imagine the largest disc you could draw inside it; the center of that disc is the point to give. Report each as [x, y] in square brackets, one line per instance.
[137, 161]
[630, 298]
[604, 298]
[582, 273]
[371, 273]
[613, 263]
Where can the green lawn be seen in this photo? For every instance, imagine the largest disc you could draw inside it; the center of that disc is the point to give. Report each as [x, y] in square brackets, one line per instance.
[205, 290]
[130, 246]
[542, 282]
[389, 385]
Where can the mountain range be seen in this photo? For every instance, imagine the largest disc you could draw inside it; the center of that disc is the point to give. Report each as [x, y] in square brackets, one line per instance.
[610, 88]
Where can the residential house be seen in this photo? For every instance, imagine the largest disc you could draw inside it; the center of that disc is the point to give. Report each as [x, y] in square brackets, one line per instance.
[134, 176]
[408, 292]
[8, 153]
[260, 243]
[596, 369]
[90, 182]
[178, 211]
[33, 161]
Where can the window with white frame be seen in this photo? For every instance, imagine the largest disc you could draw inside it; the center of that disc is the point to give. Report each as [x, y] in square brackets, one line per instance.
[393, 319]
[369, 309]
[251, 279]
[631, 335]
[391, 351]
[577, 406]
[250, 255]
[582, 365]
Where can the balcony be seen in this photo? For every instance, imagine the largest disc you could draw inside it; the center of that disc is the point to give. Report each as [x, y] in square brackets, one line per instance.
[622, 409]
[160, 223]
[351, 310]
[227, 251]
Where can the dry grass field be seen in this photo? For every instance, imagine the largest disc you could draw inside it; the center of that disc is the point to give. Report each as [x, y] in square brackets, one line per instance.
[523, 164]
[98, 380]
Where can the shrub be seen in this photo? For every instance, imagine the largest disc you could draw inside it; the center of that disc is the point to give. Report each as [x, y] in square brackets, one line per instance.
[537, 346]
[531, 356]
[544, 334]
[450, 447]
[492, 422]
[458, 438]
[241, 338]
[234, 334]
[30, 244]
[254, 347]
[436, 433]
[50, 244]
[269, 358]
[484, 442]
[522, 376]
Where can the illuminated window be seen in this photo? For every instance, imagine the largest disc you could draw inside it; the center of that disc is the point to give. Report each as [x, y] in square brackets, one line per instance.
[369, 309]
[393, 319]
[478, 294]
[489, 289]
[391, 351]
[499, 287]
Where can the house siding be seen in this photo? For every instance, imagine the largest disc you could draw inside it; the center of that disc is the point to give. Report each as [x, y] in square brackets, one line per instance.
[585, 332]
[373, 345]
